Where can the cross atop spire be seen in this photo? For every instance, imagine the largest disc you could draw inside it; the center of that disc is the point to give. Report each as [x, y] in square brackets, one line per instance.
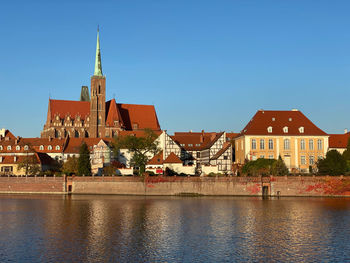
[98, 65]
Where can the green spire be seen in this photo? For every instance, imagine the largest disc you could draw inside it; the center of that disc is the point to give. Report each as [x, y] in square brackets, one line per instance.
[98, 65]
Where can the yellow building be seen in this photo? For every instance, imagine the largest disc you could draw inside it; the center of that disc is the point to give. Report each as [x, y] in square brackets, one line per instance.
[289, 134]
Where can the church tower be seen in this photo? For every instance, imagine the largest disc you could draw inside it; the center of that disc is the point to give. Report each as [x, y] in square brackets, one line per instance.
[98, 97]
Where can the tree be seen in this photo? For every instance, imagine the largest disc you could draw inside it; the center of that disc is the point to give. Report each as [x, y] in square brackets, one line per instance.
[258, 167]
[346, 155]
[70, 166]
[141, 148]
[84, 165]
[333, 164]
[30, 164]
[279, 168]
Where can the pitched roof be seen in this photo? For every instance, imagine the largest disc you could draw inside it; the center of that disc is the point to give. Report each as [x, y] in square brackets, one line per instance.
[196, 141]
[9, 134]
[172, 158]
[62, 108]
[157, 159]
[231, 135]
[293, 119]
[140, 133]
[73, 144]
[144, 116]
[224, 149]
[39, 158]
[339, 140]
[113, 114]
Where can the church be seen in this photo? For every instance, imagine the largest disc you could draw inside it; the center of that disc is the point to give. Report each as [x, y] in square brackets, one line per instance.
[95, 117]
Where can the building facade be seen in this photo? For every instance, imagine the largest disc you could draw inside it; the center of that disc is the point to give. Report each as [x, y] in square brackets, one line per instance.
[96, 117]
[289, 134]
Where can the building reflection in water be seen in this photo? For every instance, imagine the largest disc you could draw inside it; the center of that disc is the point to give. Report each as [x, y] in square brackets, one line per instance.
[172, 229]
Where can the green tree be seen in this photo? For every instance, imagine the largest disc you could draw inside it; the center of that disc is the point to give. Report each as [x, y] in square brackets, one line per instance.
[70, 166]
[279, 168]
[258, 167]
[84, 165]
[333, 164]
[346, 155]
[30, 164]
[141, 148]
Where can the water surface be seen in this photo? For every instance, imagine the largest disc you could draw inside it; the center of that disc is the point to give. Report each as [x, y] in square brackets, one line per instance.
[38, 228]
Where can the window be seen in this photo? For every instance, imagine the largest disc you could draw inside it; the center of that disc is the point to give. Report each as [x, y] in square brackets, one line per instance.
[269, 129]
[290, 119]
[41, 147]
[301, 129]
[319, 144]
[26, 147]
[253, 144]
[262, 144]
[270, 144]
[99, 121]
[57, 147]
[302, 144]
[302, 159]
[198, 144]
[273, 119]
[49, 147]
[1, 148]
[0, 159]
[190, 144]
[286, 144]
[9, 148]
[225, 157]
[198, 155]
[319, 157]
[271, 156]
[18, 148]
[312, 160]
[135, 126]
[285, 129]
[262, 156]
[182, 144]
[311, 144]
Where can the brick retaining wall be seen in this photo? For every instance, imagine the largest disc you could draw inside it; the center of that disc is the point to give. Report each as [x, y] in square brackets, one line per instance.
[32, 185]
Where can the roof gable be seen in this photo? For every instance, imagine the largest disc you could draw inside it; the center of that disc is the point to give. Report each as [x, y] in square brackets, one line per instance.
[113, 114]
[172, 158]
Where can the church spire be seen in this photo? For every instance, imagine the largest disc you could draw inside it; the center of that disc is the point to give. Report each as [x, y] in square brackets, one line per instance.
[98, 65]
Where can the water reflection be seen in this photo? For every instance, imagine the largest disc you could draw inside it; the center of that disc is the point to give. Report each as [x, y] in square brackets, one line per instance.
[173, 229]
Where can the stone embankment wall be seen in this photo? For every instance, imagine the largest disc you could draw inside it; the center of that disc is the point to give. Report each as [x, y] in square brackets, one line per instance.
[235, 186]
[229, 186]
[42, 185]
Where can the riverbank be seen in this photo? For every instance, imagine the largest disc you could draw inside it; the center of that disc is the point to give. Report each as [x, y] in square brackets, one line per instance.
[186, 186]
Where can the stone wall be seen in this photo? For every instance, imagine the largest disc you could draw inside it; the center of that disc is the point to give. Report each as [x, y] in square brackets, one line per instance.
[32, 185]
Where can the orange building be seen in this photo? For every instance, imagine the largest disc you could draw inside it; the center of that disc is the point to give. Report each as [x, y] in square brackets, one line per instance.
[289, 134]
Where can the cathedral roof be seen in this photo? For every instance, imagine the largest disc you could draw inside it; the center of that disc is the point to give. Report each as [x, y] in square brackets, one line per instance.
[113, 114]
[62, 108]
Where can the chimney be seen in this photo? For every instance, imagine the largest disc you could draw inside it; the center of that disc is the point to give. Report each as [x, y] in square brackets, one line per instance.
[201, 139]
[190, 131]
[345, 130]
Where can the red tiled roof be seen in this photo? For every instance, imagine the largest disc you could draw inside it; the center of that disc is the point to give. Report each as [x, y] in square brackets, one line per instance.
[143, 115]
[339, 140]
[157, 159]
[33, 144]
[198, 140]
[140, 133]
[293, 119]
[172, 158]
[9, 134]
[64, 107]
[6, 159]
[73, 144]
[113, 113]
[231, 135]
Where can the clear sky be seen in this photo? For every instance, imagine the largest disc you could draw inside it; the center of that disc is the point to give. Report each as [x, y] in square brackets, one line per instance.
[203, 64]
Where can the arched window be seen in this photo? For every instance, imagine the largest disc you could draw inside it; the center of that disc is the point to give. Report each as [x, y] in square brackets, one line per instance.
[286, 144]
[41, 147]
[18, 148]
[76, 134]
[26, 147]
[301, 129]
[269, 129]
[49, 147]
[285, 129]
[57, 147]
[56, 134]
[1, 148]
[99, 89]
[9, 148]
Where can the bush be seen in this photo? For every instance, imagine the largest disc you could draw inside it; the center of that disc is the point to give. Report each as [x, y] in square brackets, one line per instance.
[258, 167]
[333, 164]
[150, 173]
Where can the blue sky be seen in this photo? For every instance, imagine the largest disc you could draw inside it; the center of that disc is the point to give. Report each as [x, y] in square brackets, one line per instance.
[203, 64]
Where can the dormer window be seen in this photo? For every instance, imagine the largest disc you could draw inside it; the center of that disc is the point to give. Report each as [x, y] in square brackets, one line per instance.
[1, 148]
[301, 129]
[26, 147]
[0, 159]
[57, 147]
[9, 148]
[273, 119]
[135, 126]
[285, 129]
[49, 147]
[41, 147]
[190, 144]
[18, 148]
[290, 119]
[269, 129]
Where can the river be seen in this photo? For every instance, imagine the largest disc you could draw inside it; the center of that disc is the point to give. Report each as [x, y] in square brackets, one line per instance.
[89, 228]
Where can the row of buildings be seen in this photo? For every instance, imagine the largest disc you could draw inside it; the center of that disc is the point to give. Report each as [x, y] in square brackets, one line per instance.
[95, 121]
